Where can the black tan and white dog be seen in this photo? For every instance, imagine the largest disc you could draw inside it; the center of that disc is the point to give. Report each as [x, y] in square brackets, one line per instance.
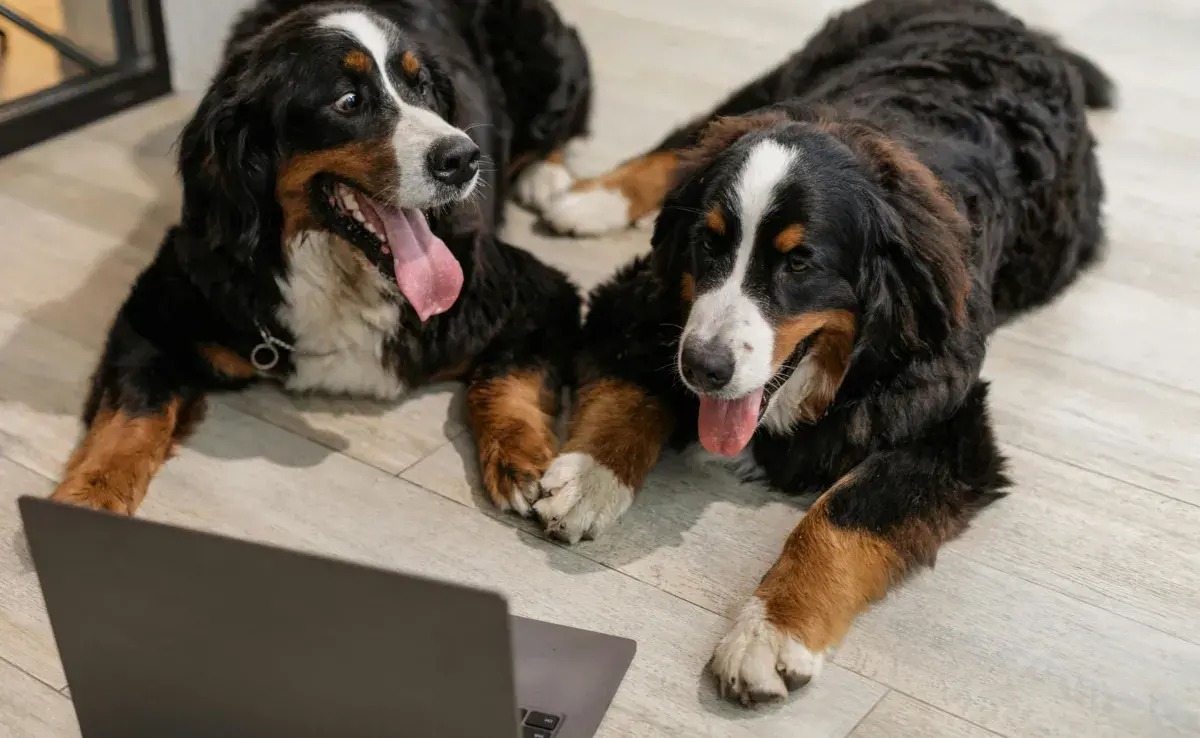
[840, 240]
[343, 183]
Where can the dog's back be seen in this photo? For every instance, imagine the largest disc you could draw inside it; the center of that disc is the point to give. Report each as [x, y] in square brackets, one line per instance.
[995, 109]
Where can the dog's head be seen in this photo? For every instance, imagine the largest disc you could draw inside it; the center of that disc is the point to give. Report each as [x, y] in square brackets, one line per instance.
[796, 243]
[332, 120]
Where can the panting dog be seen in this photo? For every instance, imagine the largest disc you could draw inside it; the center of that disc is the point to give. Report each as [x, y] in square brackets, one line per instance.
[836, 242]
[343, 183]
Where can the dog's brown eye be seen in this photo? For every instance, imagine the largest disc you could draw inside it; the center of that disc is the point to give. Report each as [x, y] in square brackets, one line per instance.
[347, 103]
[796, 262]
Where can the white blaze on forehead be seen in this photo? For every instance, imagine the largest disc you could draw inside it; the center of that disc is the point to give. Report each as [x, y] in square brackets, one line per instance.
[766, 168]
[727, 314]
[417, 129]
[372, 37]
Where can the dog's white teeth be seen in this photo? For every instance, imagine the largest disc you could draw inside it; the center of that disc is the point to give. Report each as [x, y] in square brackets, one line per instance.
[370, 228]
[358, 216]
[349, 201]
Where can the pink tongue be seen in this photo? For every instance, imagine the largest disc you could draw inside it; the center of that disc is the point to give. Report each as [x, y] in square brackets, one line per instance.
[426, 272]
[727, 425]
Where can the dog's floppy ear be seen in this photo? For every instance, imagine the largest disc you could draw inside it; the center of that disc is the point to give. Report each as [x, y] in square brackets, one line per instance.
[228, 161]
[914, 280]
[670, 239]
[669, 245]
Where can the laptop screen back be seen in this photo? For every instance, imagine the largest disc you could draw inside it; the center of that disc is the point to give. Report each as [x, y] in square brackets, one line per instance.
[168, 632]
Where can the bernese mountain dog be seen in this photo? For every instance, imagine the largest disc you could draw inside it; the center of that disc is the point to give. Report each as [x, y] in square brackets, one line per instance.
[343, 184]
[836, 242]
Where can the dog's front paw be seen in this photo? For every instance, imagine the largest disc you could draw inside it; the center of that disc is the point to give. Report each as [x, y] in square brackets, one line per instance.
[756, 662]
[582, 497]
[540, 183]
[511, 473]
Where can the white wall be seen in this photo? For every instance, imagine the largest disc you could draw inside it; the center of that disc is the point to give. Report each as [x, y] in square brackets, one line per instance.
[196, 31]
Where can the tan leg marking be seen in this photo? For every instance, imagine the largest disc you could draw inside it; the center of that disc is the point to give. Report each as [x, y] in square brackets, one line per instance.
[643, 182]
[825, 576]
[616, 437]
[113, 465]
[513, 421]
[621, 427]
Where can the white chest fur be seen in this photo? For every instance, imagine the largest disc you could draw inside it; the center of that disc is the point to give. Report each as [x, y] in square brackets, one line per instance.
[340, 311]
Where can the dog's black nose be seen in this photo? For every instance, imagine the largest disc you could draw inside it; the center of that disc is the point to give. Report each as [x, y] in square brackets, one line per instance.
[453, 160]
[707, 367]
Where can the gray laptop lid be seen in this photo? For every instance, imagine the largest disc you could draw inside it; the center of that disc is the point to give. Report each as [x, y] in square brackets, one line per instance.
[168, 632]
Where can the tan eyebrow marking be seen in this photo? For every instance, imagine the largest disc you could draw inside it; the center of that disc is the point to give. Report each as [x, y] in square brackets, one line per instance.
[789, 238]
[358, 61]
[715, 220]
[410, 64]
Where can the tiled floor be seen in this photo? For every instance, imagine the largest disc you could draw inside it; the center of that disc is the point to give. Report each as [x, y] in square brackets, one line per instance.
[1070, 609]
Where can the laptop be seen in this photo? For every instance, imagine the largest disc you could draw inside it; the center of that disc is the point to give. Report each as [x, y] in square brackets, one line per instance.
[165, 631]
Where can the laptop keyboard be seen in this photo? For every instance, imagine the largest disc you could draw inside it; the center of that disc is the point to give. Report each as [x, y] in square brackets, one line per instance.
[538, 724]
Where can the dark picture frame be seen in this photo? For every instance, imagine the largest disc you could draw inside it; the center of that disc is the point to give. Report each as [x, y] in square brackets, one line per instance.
[137, 76]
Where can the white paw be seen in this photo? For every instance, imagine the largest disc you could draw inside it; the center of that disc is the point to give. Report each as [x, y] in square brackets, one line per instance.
[583, 497]
[541, 182]
[756, 662]
[588, 212]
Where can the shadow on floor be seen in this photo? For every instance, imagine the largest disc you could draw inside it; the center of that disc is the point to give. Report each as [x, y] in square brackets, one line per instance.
[673, 500]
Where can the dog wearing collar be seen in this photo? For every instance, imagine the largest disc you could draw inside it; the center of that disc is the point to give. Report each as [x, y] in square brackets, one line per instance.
[343, 185]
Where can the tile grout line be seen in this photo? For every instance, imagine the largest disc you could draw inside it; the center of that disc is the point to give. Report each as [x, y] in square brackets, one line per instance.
[449, 441]
[1073, 598]
[935, 708]
[1097, 472]
[874, 706]
[27, 467]
[35, 677]
[1096, 364]
[340, 452]
[502, 519]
